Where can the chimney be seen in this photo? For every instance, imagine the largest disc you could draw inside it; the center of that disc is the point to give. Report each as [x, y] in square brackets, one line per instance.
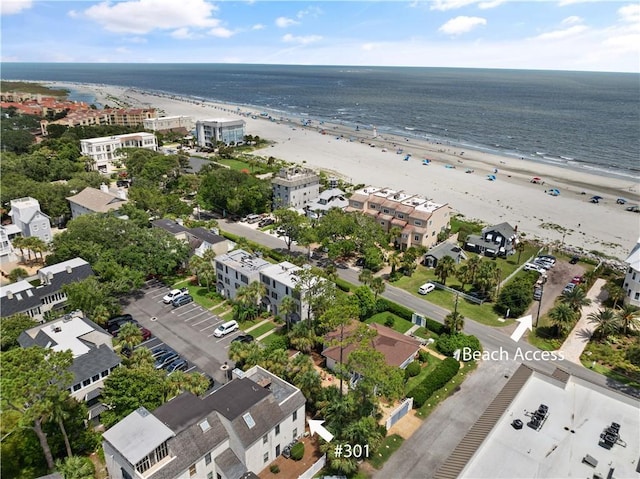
[69, 269]
[122, 194]
[9, 294]
[104, 188]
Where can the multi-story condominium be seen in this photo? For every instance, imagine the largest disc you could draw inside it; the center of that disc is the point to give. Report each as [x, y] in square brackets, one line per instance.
[78, 118]
[236, 269]
[26, 215]
[92, 349]
[35, 301]
[105, 152]
[280, 281]
[92, 200]
[7, 234]
[419, 219]
[632, 278]
[210, 132]
[235, 432]
[130, 116]
[295, 187]
[166, 123]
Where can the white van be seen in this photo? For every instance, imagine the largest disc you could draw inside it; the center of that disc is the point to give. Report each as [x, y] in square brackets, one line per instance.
[426, 288]
[225, 328]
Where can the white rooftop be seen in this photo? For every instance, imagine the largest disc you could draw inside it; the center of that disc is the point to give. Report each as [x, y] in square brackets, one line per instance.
[578, 414]
[137, 435]
[60, 267]
[429, 206]
[634, 257]
[284, 273]
[66, 334]
[16, 288]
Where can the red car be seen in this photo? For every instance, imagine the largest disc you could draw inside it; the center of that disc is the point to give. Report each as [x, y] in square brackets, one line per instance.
[577, 280]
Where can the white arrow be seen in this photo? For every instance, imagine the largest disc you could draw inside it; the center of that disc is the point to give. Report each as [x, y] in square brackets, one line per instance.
[525, 323]
[316, 426]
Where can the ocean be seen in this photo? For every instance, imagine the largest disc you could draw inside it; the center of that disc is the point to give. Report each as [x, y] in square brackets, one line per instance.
[579, 120]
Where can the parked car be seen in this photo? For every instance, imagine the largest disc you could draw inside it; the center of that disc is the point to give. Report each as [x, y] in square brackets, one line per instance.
[118, 319]
[574, 260]
[251, 219]
[225, 328]
[146, 334]
[426, 288]
[577, 280]
[569, 288]
[243, 338]
[545, 261]
[114, 327]
[174, 294]
[534, 267]
[169, 356]
[633, 208]
[548, 257]
[179, 364]
[360, 262]
[537, 294]
[266, 222]
[182, 300]
[543, 264]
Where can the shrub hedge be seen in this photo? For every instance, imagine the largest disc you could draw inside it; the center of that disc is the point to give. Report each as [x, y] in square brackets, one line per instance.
[448, 343]
[413, 369]
[384, 304]
[344, 285]
[440, 376]
[297, 451]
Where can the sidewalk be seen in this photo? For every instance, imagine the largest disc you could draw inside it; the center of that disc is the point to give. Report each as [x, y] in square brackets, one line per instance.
[581, 333]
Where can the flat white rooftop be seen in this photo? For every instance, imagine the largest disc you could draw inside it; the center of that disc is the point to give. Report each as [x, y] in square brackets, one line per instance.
[578, 414]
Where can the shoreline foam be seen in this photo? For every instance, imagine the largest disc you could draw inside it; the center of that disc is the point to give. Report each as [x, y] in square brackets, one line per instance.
[604, 227]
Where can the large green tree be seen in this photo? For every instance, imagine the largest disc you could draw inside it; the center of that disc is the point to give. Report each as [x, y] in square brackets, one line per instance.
[562, 316]
[11, 327]
[446, 267]
[234, 192]
[292, 224]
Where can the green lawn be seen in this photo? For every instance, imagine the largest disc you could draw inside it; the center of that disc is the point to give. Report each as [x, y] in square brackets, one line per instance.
[424, 333]
[260, 330]
[610, 373]
[399, 324]
[206, 299]
[389, 445]
[426, 369]
[272, 337]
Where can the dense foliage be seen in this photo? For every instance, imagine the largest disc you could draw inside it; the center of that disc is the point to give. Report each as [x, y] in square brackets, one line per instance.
[440, 376]
[234, 192]
[448, 343]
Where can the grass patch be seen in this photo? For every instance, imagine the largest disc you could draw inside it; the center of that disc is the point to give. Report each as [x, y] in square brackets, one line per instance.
[399, 324]
[206, 299]
[262, 329]
[424, 333]
[449, 389]
[543, 338]
[608, 357]
[390, 444]
[610, 373]
[272, 337]
[28, 87]
[426, 369]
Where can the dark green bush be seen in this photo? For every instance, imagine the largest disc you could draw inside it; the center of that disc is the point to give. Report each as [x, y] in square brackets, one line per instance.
[440, 376]
[297, 451]
[389, 321]
[274, 468]
[448, 343]
[413, 369]
[516, 296]
[423, 356]
[344, 285]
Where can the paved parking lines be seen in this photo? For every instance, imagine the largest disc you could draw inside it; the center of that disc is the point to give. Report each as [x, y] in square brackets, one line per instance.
[210, 326]
[199, 314]
[200, 322]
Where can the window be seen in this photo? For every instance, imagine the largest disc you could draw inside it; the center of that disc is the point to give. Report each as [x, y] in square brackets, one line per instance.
[76, 387]
[277, 429]
[265, 438]
[210, 475]
[295, 415]
[295, 434]
[386, 211]
[401, 216]
[274, 295]
[265, 458]
[417, 223]
[207, 458]
[35, 227]
[244, 279]
[95, 378]
[86, 382]
[416, 238]
[192, 470]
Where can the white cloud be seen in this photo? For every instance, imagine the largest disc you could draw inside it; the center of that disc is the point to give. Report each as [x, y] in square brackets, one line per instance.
[312, 11]
[182, 34]
[11, 7]
[221, 32]
[630, 13]
[302, 40]
[490, 4]
[572, 20]
[462, 24]
[444, 5]
[566, 33]
[284, 22]
[258, 26]
[143, 16]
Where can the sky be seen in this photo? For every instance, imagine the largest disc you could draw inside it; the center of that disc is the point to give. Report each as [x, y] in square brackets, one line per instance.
[583, 35]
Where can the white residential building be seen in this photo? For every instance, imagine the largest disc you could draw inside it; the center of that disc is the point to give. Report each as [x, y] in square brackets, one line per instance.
[295, 187]
[236, 269]
[7, 234]
[165, 123]
[91, 200]
[234, 432]
[26, 215]
[280, 280]
[210, 132]
[632, 278]
[105, 152]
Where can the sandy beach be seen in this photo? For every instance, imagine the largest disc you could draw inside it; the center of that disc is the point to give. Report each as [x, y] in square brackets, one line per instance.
[364, 157]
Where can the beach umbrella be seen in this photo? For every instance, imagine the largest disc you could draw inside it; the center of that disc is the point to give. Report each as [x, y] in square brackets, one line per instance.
[536, 178]
[595, 199]
[554, 192]
[491, 177]
[621, 201]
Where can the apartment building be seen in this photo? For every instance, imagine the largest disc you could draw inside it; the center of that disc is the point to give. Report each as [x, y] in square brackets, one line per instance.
[168, 123]
[105, 152]
[418, 218]
[234, 432]
[7, 234]
[280, 281]
[236, 269]
[36, 301]
[25, 214]
[210, 132]
[78, 118]
[295, 187]
[632, 277]
[130, 116]
[92, 348]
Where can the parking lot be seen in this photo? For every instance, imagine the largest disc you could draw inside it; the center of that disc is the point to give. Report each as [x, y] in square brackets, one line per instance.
[187, 329]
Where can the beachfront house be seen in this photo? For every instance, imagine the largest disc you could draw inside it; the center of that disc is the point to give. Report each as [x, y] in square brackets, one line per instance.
[498, 240]
[106, 152]
[295, 187]
[200, 240]
[91, 200]
[331, 198]
[235, 432]
[26, 215]
[7, 235]
[219, 130]
[419, 219]
[632, 277]
[438, 252]
[169, 123]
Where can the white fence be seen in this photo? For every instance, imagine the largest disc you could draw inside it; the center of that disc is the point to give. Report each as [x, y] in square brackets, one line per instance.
[399, 412]
[313, 470]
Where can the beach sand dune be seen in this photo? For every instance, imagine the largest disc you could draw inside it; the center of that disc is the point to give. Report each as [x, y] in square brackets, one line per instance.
[361, 157]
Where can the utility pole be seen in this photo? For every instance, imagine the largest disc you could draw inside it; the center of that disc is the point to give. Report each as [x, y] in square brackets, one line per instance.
[539, 303]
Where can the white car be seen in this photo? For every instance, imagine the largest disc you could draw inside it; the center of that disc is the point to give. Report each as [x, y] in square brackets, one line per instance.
[534, 267]
[174, 294]
[225, 328]
[426, 288]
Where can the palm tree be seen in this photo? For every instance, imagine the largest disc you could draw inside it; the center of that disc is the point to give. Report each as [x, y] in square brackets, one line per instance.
[463, 274]
[365, 276]
[616, 292]
[562, 317]
[302, 337]
[37, 245]
[377, 286]
[59, 413]
[76, 467]
[20, 242]
[628, 317]
[474, 265]
[288, 306]
[605, 319]
[454, 322]
[140, 358]
[520, 246]
[394, 234]
[394, 262]
[576, 299]
[16, 274]
[446, 267]
[129, 336]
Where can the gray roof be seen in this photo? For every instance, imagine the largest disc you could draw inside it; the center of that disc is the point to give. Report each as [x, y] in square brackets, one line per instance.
[229, 464]
[237, 397]
[97, 200]
[80, 270]
[137, 434]
[445, 249]
[206, 235]
[505, 229]
[170, 226]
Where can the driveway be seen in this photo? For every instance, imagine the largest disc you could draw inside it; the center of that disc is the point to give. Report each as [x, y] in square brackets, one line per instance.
[187, 329]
